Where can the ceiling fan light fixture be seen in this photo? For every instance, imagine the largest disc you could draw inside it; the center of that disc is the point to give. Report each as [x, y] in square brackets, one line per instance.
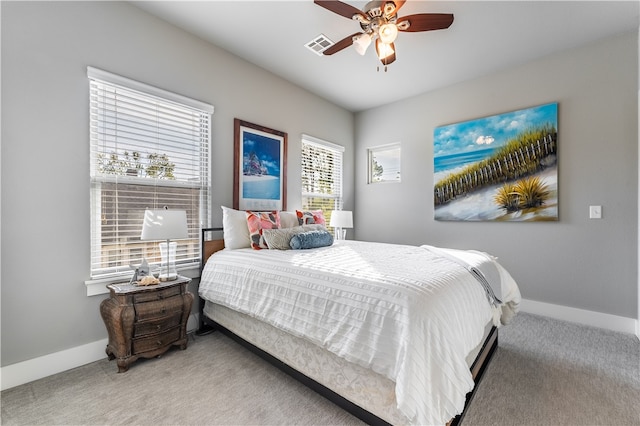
[388, 33]
[403, 25]
[361, 42]
[389, 8]
[384, 50]
[379, 22]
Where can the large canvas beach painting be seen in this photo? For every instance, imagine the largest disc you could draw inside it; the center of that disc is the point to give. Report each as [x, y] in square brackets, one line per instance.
[498, 168]
[259, 167]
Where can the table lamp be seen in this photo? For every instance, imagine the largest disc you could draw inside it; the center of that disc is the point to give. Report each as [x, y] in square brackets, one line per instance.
[166, 225]
[341, 219]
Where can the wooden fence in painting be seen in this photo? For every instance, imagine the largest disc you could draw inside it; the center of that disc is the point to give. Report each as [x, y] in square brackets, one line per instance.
[505, 165]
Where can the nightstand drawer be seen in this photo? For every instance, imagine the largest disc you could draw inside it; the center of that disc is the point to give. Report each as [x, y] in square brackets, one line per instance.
[156, 341]
[156, 325]
[151, 296]
[157, 309]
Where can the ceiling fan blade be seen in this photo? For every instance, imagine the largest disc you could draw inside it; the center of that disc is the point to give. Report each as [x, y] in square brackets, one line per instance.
[398, 4]
[425, 22]
[342, 44]
[340, 8]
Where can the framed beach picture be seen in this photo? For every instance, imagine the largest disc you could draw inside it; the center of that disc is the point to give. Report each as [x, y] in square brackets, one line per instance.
[498, 168]
[260, 167]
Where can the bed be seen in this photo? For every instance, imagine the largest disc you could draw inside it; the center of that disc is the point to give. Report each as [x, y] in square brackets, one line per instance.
[395, 334]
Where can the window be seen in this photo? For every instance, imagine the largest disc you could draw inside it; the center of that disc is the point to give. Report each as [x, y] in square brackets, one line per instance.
[149, 149]
[321, 175]
[384, 163]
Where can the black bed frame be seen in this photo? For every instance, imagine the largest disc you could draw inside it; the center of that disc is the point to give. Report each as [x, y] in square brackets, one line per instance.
[207, 326]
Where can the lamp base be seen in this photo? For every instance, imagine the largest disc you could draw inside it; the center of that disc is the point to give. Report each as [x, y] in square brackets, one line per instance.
[164, 278]
[168, 261]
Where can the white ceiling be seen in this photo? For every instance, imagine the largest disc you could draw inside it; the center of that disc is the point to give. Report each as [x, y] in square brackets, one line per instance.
[485, 36]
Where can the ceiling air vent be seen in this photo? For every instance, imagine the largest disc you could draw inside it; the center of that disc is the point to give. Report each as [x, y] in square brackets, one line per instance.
[319, 44]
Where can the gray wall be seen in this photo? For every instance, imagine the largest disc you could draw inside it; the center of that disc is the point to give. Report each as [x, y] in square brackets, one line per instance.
[576, 262]
[46, 48]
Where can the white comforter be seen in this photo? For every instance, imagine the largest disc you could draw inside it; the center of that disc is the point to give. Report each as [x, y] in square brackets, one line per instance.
[409, 313]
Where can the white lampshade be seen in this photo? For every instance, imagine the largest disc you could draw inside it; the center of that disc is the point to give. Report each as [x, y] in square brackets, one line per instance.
[341, 219]
[164, 225]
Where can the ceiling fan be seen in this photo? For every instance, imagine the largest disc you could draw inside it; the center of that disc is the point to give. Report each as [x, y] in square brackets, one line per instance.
[380, 23]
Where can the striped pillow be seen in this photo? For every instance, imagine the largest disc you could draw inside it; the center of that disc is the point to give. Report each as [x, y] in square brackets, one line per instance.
[279, 239]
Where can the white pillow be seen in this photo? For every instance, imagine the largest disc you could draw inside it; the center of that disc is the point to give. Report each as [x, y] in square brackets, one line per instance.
[288, 219]
[236, 230]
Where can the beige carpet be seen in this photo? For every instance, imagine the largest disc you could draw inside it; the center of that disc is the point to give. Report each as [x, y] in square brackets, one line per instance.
[544, 372]
[548, 372]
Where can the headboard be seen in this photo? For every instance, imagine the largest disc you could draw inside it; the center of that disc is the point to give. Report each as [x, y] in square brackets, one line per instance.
[209, 244]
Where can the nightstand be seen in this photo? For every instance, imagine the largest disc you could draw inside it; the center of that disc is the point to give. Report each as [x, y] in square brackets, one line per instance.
[145, 321]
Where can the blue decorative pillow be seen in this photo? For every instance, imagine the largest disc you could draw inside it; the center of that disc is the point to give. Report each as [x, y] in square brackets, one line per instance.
[311, 239]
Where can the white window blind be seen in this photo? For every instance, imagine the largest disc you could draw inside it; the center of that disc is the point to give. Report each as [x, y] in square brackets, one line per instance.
[149, 149]
[321, 175]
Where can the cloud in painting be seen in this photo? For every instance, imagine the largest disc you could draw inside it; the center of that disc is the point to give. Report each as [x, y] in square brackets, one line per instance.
[485, 140]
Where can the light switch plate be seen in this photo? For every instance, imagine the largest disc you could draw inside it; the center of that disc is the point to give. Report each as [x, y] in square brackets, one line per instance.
[595, 212]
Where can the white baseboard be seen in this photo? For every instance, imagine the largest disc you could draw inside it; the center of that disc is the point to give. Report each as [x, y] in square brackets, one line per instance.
[38, 368]
[581, 316]
[41, 367]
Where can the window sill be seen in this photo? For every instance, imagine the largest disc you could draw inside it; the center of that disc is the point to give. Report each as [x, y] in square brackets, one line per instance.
[99, 286]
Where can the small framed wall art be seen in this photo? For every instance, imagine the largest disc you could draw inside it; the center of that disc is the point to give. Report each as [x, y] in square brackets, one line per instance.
[260, 167]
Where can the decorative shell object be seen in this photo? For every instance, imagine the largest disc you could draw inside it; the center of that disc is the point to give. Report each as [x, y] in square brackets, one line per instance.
[149, 280]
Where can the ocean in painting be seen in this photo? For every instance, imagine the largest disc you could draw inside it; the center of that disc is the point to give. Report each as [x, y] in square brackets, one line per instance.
[455, 161]
[264, 187]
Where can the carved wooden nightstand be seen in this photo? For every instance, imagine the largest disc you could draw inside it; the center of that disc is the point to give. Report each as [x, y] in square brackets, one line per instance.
[145, 321]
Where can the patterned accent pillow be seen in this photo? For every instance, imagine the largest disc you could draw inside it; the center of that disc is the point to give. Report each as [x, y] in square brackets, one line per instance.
[257, 221]
[309, 217]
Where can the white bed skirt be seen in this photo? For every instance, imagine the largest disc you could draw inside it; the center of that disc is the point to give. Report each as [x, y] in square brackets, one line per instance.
[363, 387]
